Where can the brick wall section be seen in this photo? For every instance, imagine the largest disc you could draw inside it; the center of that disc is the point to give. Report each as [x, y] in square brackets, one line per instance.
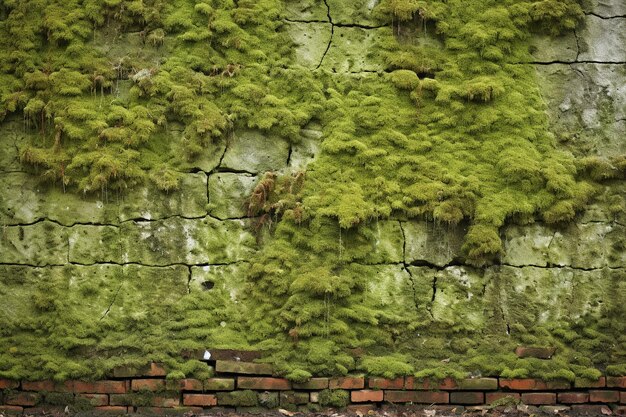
[237, 385]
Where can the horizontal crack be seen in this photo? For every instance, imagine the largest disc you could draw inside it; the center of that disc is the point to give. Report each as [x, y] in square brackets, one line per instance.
[558, 62]
[341, 25]
[111, 263]
[622, 16]
[133, 220]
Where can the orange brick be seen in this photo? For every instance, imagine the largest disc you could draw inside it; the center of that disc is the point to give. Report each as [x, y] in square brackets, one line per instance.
[365, 396]
[153, 385]
[349, 382]
[39, 386]
[8, 384]
[98, 387]
[573, 397]
[270, 384]
[539, 398]
[201, 400]
[597, 396]
[383, 383]
[112, 409]
[11, 408]
[530, 384]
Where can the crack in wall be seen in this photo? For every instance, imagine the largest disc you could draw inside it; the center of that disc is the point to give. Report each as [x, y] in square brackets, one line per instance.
[405, 266]
[332, 33]
[112, 302]
[619, 16]
[561, 62]
[123, 264]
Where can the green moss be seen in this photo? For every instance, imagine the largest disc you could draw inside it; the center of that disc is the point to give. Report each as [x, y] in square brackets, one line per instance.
[453, 132]
[334, 398]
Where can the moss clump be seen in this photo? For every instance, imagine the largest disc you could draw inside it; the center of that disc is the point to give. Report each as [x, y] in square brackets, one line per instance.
[246, 398]
[334, 398]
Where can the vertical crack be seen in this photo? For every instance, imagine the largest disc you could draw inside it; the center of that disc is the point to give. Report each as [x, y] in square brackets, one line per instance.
[332, 33]
[577, 45]
[189, 279]
[112, 302]
[408, 271]
[289, 154]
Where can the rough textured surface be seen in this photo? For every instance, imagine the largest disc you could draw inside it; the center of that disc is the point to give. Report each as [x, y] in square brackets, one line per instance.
[129, 261]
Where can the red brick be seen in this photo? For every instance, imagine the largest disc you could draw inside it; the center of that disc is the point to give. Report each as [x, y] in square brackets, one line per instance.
[595, 410]
[11, 408]
[539, 398]
[167, 402]
[96, 400]
[156, 369]
[363, 409]
[8, 384]
[400, 396]
[22, 398]
[383, 383]
[348, 382]
[185, 385]
[530, 384]
[313, 383]
[366, 395]
[153, 385]
[573, 397]
[620, 410]
[467, 397]
[98, 387]
[112, 409]
[39, 386]
[270, 384]
[589, 383]
[413, 383]
[201, 400]
[482, 384]
[616, 382]
[622, 397]
[597, 396]
[491, 397]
